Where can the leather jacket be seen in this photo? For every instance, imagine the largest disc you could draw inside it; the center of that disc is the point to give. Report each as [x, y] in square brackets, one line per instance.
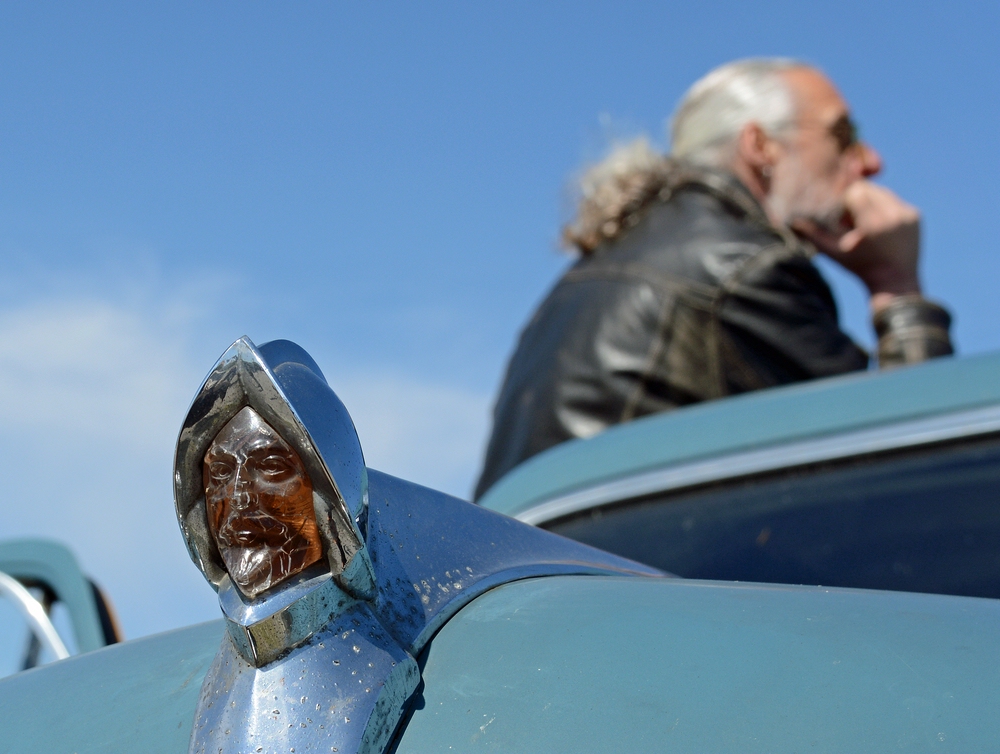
[701, 298]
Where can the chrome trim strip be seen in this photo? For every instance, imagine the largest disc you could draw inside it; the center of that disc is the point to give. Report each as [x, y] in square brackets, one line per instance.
[861, 442]
[34, 614]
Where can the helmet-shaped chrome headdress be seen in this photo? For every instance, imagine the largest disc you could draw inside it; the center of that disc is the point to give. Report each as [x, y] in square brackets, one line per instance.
[286, 388]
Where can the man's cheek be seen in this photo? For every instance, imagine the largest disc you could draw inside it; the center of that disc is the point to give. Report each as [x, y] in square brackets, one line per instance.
[273, 503]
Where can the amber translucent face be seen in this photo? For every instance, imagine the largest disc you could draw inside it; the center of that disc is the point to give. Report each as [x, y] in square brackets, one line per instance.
[260, 504]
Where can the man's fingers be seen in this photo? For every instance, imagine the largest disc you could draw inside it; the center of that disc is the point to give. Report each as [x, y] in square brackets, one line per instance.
[876, 208]
[850, 240]
[880, 241]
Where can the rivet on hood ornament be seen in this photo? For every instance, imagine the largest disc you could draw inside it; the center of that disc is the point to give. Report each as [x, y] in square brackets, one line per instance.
[271, 492]
[327, 597]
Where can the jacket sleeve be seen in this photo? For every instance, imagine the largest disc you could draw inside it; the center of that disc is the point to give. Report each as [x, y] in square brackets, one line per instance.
[778, 324]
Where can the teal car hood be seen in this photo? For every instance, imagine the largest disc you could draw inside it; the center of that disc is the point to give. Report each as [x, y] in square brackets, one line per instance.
[592, 663]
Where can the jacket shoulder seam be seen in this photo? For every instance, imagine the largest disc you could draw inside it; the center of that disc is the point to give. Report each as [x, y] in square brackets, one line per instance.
[690, 289]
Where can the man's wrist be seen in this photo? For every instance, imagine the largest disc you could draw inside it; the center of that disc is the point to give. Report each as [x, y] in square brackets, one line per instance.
[911, 329]
[883, 299]
[885, 289]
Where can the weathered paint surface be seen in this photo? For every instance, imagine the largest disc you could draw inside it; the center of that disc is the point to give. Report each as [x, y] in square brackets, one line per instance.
[611, 664]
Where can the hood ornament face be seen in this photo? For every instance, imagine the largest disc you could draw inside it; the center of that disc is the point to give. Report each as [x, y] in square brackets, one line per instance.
[259, 409]
[327, 596]
[259, 501]
[272, 494]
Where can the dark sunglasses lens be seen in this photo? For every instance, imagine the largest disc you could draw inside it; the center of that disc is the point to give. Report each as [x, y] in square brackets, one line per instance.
[845, 132]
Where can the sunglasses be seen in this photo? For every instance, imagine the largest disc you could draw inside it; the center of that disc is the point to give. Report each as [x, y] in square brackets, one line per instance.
[845, 132]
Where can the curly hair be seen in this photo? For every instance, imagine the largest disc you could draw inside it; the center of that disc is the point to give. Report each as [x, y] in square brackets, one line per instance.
[615, 191]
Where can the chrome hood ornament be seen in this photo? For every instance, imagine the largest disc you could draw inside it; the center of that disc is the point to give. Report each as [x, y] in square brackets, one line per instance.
[327, 597]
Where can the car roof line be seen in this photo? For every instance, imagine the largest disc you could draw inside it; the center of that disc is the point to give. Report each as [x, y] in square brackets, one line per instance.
[781, 456]
[749, 422]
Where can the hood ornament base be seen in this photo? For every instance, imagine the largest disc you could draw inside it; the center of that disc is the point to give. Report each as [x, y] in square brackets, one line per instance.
[342, 691]
[265, 629]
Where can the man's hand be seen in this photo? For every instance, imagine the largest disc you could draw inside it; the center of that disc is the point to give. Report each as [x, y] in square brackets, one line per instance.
[880, 243]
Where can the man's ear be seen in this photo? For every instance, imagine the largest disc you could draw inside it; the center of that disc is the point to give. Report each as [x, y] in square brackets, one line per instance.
[756, 149]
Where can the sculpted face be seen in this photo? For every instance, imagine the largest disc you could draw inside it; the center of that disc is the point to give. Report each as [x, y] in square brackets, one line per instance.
[260, 504]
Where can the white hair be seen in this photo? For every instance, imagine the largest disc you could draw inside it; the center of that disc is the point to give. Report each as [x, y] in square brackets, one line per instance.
[714, 110]
[614, 192]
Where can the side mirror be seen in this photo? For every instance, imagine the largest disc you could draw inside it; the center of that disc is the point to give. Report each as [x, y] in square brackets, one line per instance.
[49, 569]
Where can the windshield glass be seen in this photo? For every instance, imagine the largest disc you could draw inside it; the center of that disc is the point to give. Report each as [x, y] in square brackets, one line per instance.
[924, 521]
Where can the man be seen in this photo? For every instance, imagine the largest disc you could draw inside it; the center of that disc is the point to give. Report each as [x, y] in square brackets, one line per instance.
[695, 279]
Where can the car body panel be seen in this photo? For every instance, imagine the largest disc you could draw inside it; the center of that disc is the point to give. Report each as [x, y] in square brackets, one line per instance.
[137, 696]
[613, 664]
[592, 663]
[537, 643]
[751, 422]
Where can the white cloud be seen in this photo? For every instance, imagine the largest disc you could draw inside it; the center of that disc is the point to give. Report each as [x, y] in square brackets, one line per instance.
[92, 394]
[91, 367]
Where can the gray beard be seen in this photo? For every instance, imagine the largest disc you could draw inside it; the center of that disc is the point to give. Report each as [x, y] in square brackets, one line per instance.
[801, 199]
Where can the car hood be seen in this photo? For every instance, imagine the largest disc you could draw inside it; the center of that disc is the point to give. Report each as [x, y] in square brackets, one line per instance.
[591, 663]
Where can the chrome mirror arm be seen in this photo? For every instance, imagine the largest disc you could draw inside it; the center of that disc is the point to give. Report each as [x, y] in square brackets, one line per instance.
[34, 614]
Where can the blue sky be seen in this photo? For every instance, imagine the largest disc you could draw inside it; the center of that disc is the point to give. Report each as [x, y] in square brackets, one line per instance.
[384, 184]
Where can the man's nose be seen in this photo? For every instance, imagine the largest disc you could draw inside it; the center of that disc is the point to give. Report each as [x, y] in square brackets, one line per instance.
[871, 161]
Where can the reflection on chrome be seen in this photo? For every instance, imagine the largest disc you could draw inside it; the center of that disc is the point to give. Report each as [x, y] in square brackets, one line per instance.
[34, 614]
